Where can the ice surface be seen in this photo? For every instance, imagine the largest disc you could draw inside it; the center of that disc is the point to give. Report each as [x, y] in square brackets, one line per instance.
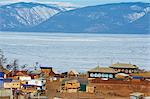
[77, 51]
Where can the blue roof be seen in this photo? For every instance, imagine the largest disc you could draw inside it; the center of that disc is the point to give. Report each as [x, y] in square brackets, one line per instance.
[27, 85]
[46, 67]
[8, 80]
[137, 77]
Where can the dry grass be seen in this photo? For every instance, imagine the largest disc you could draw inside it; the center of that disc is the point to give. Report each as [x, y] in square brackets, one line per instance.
[102, 91]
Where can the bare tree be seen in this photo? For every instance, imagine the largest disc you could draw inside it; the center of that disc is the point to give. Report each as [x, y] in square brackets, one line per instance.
[8, 67]
[2, 58]
[36, 65]
[24, 67]
[15, 65]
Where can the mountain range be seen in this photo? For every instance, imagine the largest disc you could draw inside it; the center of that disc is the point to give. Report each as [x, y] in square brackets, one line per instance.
[108, 18]
[25, 15]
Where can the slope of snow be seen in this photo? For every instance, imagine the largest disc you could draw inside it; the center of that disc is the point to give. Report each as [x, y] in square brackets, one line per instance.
[26, 14]
[135, 16]
[34, 15]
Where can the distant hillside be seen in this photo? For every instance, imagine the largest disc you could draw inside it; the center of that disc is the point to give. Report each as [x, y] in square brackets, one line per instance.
[108, 18]
[24, 15]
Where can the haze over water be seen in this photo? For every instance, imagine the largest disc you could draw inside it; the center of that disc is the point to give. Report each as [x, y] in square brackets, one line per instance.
[76, 51]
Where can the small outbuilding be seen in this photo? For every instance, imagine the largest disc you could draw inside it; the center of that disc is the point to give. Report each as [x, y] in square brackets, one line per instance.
[70, 86]
[137, 95]
[90, 89]
[47, 71]
[73, 73]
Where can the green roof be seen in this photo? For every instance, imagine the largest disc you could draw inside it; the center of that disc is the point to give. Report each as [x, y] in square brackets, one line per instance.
[103, 70]
[123, 65]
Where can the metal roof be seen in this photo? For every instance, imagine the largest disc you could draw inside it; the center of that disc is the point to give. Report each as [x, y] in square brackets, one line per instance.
[137, 94]
[103, 70]
[123, 65]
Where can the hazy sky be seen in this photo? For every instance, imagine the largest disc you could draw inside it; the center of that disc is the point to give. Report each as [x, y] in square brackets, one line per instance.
[78, 2]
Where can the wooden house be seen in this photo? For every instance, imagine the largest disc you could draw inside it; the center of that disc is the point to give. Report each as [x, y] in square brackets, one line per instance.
[144, 75]
[102, 72]
[73, 73]
[125, 68]
[137, 95]
[70, 86]
[16, 74]
[3, 70]
[13, 84]
[29, 88]
[35, 74]
[47, 71]
[90, 89]
[16, 84]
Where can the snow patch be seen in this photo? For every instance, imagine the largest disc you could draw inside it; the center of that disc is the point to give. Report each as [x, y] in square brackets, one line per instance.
[136, 8]
[135, 16]
[35, 15]
[147, 10]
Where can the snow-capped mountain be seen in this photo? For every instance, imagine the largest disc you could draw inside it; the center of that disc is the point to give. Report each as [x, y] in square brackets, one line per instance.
[20, 15]
[108, 18]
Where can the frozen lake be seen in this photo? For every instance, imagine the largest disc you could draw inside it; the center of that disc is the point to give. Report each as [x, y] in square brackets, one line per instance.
[76, 51]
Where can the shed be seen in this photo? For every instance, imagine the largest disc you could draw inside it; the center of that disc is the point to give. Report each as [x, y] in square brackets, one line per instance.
[90, 89]
[136, 95]
[70, 85]
[73, 73]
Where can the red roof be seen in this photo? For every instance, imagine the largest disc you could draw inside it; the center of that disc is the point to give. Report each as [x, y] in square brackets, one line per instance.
[17, 73]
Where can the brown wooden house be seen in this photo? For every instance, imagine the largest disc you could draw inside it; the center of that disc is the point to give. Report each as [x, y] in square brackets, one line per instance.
[70, 85]
[124, 68]
[73, 73]
[102, 72]
[5, 71]
[47, 71]
[16, 73]
[34, 74]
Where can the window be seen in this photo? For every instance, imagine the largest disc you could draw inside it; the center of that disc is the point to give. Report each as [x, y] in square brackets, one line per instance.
[99, 74]
[92, 74]
[110, 75]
